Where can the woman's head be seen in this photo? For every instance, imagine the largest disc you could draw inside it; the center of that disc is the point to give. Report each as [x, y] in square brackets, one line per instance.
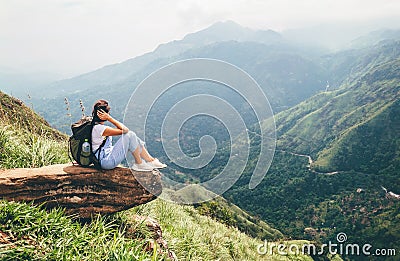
[100, 105]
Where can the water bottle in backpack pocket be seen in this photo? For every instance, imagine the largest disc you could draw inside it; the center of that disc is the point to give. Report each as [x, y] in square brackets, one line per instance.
[85, 153]
[80, 147]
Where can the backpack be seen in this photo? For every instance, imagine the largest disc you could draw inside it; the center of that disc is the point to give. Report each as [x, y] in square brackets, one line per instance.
[80, 144]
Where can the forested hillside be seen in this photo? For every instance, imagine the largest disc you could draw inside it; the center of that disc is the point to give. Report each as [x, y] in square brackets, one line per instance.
[352, 137]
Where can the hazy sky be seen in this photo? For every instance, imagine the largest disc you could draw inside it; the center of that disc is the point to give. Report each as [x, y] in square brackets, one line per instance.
[71, 36]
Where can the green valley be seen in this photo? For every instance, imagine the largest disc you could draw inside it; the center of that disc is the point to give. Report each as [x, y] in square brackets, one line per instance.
[352, 136]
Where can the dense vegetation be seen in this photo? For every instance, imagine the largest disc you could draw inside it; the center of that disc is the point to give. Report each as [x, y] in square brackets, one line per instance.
[305, 204]
[231, 215]
[353, 136]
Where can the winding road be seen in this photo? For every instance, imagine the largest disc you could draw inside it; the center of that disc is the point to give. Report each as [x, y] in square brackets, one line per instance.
[310, 162]
[389, 194]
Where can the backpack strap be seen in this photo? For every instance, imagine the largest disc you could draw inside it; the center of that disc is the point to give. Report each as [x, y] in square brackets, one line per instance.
[99, 149]
[74, 163]
[98, 163]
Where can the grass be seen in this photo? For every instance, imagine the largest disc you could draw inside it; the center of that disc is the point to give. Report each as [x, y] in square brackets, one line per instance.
[31, 233]
[23, 149]
[197, 237]
[26, 139]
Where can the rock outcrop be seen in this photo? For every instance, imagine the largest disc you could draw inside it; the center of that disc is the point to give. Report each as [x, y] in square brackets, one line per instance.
[82, 191]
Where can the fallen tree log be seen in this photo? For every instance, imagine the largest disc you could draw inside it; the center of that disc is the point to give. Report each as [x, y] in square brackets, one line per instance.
[82, 191]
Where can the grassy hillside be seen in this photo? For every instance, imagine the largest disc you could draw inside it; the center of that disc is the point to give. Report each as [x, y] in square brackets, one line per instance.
[30, 233]
[26, 139]
[367, 147]
[17, 114]
[198, 237]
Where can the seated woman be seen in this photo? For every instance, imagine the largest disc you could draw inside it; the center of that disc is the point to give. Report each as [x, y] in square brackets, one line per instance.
[110, 156]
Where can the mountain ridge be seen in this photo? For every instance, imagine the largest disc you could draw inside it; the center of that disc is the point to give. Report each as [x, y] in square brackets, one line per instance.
[220, 31]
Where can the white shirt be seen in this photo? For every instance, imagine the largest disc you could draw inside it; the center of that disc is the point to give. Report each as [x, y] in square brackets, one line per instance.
[97, 136]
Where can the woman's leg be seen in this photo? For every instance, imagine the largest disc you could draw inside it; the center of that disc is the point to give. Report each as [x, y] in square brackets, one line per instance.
[140, 152]
[146, 155]
[136, 155]
[127, 142]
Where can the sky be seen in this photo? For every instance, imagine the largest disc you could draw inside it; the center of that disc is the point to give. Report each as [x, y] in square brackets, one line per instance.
[70, 37]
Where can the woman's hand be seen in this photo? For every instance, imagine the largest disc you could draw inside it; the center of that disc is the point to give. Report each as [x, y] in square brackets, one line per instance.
[104, 116]
[121, 129]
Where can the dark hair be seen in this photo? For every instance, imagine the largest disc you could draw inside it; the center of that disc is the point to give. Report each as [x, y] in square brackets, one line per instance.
[100, 105]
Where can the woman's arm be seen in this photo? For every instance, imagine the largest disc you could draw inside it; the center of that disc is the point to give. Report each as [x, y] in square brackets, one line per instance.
[121, 128]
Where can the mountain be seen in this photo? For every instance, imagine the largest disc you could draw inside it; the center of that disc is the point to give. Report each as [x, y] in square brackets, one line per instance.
[350, 134]
[229, 31]
[337, 128]
[113, 75]
[375, 37]
[346, 66]
[351, 137]
[331, 119]
[24, 84]
[288, 74]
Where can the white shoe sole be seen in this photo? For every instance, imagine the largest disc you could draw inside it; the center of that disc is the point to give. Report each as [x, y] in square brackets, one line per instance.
[142, 170]
[160, 167]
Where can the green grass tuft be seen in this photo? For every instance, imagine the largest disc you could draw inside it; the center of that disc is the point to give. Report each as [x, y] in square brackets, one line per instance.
[23, 149]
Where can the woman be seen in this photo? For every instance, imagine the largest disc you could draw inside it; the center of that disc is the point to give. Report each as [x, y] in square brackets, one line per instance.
[110, 156]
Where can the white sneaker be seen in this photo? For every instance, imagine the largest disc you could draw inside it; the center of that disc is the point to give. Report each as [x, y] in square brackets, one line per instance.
[142, 167]
[157, 164]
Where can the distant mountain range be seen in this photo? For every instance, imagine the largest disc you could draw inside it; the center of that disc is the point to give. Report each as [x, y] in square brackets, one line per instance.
[375, 37]
[24, 84]
[118, 73]
[288, 74]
